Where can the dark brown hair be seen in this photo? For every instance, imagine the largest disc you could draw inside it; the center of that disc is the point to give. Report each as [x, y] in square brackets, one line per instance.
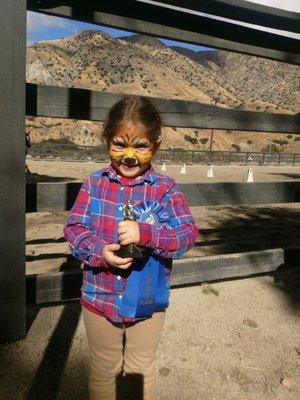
[135, 109]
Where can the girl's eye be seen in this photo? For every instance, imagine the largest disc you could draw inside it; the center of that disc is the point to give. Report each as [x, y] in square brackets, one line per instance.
[119, 144]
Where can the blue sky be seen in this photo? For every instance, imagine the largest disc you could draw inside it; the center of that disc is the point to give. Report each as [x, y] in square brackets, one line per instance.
[45, 27]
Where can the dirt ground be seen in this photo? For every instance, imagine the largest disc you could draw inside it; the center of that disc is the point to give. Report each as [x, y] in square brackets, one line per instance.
[233, 340]
[242, 344]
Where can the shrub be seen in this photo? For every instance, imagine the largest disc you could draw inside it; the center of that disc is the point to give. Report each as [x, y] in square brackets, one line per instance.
[236, 147]
[249, 141]
[191, 139]
[281, 142]
[274, 149]
[203, 140]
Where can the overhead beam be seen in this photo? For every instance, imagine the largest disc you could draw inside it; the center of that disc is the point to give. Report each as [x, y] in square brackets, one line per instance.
[58, 102]
[245, 11]
[12, 169]
[156, 21]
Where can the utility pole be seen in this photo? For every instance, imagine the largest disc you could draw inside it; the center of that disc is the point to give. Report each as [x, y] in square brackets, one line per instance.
[210, 145]
[270, 146]
[211, 137]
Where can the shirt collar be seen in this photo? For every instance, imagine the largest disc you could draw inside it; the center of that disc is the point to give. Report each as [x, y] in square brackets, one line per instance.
[149, 176]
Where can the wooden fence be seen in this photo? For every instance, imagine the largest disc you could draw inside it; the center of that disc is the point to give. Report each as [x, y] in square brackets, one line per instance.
[141, 17]
[60, 196]
[69, 152]
[49, 196]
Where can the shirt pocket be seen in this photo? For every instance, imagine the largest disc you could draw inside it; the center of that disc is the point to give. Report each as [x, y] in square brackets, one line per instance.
[95, 206]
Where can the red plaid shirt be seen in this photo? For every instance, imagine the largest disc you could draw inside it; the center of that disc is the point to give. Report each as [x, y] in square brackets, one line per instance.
[93, 223]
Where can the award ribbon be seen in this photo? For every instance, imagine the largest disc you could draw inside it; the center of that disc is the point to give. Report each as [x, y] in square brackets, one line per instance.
[147, 289]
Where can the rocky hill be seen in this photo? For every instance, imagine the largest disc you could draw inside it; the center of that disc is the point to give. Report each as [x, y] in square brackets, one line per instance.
[143, 65]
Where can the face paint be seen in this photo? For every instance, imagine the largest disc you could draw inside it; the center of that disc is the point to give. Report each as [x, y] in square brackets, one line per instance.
[131, 150]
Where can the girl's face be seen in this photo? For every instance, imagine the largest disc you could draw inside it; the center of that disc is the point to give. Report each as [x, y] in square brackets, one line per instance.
[131, 151]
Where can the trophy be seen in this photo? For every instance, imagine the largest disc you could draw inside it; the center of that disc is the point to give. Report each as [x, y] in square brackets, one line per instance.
[130, 250]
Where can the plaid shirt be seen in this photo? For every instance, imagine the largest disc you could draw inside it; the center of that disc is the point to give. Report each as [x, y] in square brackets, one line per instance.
[93, 223]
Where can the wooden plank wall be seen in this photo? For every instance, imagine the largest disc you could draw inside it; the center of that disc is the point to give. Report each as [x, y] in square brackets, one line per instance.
[153, 20]
[84, 104]
[12, 172]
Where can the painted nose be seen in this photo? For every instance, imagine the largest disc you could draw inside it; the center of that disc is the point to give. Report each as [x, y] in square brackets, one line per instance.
[130, 161]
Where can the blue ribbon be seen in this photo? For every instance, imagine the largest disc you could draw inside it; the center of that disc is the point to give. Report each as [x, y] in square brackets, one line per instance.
[147, 289]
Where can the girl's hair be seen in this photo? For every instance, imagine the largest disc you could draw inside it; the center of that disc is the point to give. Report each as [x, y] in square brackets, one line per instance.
[135, 109]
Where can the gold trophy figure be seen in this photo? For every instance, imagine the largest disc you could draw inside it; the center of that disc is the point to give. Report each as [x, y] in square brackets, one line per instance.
[130, 250]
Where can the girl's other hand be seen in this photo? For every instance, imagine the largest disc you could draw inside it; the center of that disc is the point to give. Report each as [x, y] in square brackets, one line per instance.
[112, 259]
[129, 232]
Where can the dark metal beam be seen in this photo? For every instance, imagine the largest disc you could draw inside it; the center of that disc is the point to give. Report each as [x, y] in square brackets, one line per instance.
[171, 24]
[12, 169]
[50, 101]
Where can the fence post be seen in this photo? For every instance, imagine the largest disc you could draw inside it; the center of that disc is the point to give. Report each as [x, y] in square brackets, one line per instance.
[12, 169]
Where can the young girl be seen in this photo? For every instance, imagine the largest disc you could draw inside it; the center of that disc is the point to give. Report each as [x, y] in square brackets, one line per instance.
[127, 296]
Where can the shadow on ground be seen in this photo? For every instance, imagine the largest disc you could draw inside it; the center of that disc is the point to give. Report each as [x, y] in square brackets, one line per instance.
[251, 229]
[47, 379]
[288, 175]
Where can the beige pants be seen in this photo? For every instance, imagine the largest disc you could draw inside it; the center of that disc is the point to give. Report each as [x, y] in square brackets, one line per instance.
[108, 356]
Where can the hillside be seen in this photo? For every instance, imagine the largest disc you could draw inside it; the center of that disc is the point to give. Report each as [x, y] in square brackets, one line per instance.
[142, 65]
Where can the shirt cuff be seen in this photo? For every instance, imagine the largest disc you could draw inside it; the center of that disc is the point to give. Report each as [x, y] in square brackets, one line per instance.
[147, 234]
[95, 258]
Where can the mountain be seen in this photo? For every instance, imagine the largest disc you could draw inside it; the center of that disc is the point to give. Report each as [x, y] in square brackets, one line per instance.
[143, 65]
[261, 80]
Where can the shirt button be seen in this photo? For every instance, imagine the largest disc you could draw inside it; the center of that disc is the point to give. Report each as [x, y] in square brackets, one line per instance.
[121, 208]
[118, 277]
[122, 188]
[120, 296]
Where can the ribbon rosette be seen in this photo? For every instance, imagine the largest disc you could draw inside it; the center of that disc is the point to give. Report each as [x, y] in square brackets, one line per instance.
[146, 289]
[151, 212]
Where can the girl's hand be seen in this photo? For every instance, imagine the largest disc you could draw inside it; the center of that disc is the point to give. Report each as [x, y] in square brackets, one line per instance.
[129, 232]
[112, 259]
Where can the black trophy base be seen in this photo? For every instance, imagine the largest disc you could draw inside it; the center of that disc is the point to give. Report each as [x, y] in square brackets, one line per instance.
[131, 250]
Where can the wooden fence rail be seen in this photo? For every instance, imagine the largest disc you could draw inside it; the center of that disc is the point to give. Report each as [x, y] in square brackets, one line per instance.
[60, 196]
[59, 102]
[47, 288]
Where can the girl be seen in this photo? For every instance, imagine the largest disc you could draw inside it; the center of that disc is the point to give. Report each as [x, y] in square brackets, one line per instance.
[126, 296]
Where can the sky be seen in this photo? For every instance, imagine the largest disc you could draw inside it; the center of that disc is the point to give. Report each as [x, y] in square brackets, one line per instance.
[45, 27]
